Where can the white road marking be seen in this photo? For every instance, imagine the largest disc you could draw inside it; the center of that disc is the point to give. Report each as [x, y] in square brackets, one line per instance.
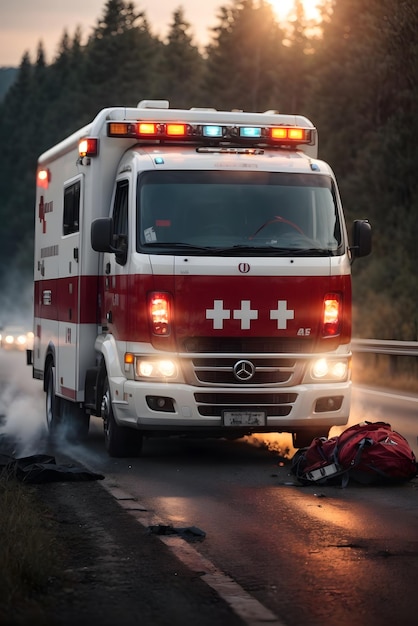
[250, 610]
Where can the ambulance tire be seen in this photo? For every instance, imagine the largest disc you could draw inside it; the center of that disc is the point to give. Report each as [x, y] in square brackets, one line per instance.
[120, 441]
[64, 419]
[52, 402]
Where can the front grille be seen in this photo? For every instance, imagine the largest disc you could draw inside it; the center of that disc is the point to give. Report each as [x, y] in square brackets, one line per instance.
[273, 404]
[220, 371]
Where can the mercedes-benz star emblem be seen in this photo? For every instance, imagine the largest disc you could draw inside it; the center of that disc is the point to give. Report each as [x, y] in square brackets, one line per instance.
[244, 370]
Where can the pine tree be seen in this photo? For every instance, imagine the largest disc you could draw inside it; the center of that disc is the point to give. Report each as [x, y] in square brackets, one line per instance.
[16, 167]
[120, 59]
[298, 57]
[181, 66]
[245, 58]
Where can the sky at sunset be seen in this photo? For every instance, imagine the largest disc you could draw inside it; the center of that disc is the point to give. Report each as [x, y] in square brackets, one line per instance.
[23, 23]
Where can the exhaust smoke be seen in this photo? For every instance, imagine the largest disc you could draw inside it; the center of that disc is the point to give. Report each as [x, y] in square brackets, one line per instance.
[22, 408]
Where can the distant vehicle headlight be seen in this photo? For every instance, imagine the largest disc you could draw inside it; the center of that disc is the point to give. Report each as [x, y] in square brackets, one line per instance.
[16, 338]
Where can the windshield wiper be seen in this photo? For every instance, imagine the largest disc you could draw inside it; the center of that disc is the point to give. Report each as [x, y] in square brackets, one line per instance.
[281, 251]
[248, 249]
[316, 251]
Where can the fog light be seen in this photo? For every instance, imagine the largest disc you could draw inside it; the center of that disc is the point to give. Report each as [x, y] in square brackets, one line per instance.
[160, 403]
[330, 403]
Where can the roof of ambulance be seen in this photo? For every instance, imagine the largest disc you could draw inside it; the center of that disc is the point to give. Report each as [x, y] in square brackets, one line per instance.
[180, 157]
[164, 156]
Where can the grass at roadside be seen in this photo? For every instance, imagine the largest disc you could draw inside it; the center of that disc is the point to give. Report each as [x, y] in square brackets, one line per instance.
[29, 554]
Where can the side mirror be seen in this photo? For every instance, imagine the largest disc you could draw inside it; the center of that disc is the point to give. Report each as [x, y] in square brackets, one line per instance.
[362, 238]
[102, 234]
[102, 239]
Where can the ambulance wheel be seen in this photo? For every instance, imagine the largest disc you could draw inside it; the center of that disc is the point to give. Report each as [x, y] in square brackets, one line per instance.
[119, 440]
[52, 402]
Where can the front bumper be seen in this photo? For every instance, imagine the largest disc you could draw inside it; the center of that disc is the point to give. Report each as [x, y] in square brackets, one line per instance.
[178, 408]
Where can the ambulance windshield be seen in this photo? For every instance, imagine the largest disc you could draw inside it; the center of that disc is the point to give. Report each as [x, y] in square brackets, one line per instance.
[263, 213]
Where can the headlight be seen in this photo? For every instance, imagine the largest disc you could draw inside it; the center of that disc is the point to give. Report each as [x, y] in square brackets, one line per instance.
[329, 370]
[155, 368]
[21, 340]
[9, 339]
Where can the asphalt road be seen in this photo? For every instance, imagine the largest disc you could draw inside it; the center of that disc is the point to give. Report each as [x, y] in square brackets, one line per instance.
[276, 551]
[310, 555]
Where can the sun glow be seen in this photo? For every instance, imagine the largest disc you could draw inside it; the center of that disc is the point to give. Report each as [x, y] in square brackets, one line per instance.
[284, 8]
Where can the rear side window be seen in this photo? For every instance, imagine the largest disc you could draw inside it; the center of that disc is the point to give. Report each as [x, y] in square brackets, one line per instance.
[71, 222]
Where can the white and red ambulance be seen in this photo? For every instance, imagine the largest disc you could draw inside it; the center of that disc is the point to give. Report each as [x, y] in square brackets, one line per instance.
[192, 277]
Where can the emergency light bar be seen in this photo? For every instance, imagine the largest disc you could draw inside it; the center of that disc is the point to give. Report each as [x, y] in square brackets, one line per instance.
[202, 133]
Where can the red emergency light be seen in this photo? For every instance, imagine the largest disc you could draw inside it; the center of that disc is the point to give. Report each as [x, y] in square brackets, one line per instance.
[176, 130]
[44, 178]
[288, 133]
[158, 131]
[147, 129]
[87, 147]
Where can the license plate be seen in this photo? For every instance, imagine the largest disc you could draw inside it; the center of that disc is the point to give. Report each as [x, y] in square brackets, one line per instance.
[244, 418]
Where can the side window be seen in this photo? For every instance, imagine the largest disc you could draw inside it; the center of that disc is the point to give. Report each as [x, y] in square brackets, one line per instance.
[71, 221]
[120, 215]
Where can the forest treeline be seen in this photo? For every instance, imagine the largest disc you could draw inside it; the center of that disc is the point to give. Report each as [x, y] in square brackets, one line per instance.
[7, 77]
[357, 80]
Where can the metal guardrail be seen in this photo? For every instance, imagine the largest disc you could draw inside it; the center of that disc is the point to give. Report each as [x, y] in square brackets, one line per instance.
[380, 346]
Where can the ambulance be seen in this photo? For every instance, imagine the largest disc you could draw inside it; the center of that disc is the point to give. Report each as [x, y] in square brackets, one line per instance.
[192, 277]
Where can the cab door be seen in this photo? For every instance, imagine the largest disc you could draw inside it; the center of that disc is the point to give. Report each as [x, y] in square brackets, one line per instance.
[116, 265]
